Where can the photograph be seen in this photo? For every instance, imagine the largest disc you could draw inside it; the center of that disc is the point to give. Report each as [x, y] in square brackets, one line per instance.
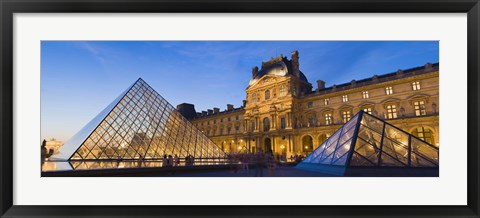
[239, 109]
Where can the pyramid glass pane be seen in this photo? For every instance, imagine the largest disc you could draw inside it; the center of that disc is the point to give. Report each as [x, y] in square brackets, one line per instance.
[367, 141]
[138, 125]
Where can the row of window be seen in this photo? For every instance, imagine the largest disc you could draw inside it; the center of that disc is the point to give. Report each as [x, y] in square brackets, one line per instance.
[283, 92]
[365, 95]
[391, 113]
[220, 131]
[221, 120]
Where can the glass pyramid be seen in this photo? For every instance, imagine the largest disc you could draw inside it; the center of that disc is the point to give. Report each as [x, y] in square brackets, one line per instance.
[138, 125]
[367, 141]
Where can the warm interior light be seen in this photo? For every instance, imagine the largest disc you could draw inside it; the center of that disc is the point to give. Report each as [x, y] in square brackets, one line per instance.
[282, 146]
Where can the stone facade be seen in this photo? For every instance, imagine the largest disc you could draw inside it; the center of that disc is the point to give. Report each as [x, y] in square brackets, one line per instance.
[283, 114]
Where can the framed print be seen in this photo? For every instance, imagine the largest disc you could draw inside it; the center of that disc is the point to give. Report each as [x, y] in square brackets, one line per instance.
[246, 109]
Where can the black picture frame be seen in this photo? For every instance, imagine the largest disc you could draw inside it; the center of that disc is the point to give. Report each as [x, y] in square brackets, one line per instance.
[9, 7]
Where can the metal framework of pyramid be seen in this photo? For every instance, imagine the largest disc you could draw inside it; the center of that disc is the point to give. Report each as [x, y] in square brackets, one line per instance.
[138, 125]
[369, 142]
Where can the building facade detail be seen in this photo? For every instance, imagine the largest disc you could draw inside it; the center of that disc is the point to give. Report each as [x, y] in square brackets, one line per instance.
[282, 112]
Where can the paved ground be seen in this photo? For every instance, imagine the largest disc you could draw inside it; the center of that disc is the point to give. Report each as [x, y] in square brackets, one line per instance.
[283, 171]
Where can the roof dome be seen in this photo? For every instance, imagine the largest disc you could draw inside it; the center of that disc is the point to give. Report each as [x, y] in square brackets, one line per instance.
[276, 66]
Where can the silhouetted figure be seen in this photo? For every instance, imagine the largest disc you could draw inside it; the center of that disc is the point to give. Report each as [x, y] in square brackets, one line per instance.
[164, 161]
[170, 161]
[176, 161]
[43, 151]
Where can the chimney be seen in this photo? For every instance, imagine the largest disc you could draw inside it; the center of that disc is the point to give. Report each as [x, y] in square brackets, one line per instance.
[320, 85]
[244, 103]
[210, 111]
[216, 110]
[375, 77]
[353, 82]
[399, 72]
[204, 113]
[229, 107]
[295, 64]
[254, 71]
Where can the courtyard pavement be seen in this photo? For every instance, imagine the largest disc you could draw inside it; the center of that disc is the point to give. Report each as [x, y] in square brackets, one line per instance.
[283, 171]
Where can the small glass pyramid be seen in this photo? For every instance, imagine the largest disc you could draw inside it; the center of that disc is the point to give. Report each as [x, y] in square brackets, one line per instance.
[367, 141]
[139, 125]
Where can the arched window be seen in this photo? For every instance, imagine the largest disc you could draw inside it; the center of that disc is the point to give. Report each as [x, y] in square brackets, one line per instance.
[424, 134]
[307, 143]
[322, 138]
[267, 94]
[266, 124]
[283, 90]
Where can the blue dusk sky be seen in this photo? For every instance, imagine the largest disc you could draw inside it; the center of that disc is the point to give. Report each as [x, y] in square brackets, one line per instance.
[80, 78]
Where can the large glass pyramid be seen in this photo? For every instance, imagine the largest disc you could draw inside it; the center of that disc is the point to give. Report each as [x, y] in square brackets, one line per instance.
[369, 142]
[139, 125]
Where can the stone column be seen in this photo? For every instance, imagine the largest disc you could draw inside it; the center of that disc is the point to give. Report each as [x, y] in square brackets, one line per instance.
[274, 149]
[273, 124]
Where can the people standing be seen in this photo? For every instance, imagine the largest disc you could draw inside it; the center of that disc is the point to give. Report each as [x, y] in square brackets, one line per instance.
[170, 161]
[176, 161]
[164, 161]
[259, 162]
[271, 164]
[245, 163]
[187, 160]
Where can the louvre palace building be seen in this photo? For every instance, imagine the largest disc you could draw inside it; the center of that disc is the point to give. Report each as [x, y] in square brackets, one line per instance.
[284, 113]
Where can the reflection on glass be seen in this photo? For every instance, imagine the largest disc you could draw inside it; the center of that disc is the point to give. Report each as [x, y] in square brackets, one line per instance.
[140, 125]
[375, 143]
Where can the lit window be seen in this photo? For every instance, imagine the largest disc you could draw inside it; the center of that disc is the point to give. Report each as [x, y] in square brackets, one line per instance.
[266, 124]
[424, 134]
[327, 101]
[283, 123]
[419, 108]
[346, 116]
[391, 111]
[328, 119]
[310, 104]
[389, 90]
[283, 90]
[267, 94]
[368, 110]
[345, 98]
[365, 94]
[416, 86]
[254, 97]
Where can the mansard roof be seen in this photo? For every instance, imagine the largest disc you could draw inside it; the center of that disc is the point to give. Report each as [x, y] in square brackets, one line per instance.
[279, 66]
[428, 68]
